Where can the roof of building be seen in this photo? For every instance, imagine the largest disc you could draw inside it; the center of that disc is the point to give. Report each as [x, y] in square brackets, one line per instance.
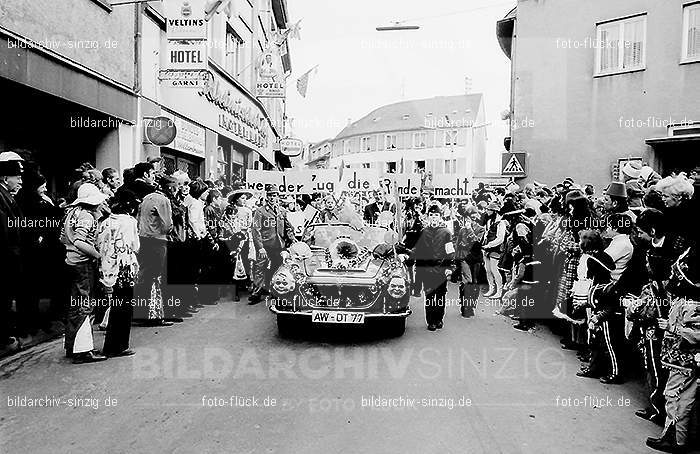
[416, 114]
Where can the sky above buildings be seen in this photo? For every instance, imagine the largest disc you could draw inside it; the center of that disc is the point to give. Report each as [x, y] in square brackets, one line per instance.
[361, 69]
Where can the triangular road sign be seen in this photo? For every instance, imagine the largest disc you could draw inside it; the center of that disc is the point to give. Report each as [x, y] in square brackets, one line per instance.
[513, 166]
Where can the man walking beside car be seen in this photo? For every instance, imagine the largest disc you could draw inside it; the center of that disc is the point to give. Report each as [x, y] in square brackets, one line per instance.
[434, 253]
[271, 233]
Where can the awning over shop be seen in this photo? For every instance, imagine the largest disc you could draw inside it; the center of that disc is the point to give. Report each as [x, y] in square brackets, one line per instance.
[283, 160]
[504, 32]
[666, 140]
[30, 67]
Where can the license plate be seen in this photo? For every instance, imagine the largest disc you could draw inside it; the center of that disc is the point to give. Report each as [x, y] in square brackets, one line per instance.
[337, 317]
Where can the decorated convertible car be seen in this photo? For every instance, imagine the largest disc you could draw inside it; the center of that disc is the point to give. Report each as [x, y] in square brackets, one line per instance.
[342, 274]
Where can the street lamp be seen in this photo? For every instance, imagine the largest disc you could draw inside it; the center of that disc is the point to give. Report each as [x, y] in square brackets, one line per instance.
[396, 25]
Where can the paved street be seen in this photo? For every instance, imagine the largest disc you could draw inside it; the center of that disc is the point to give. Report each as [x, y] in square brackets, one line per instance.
[477, 386]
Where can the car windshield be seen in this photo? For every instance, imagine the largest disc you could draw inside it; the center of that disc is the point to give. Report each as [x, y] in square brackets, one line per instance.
[369, 236]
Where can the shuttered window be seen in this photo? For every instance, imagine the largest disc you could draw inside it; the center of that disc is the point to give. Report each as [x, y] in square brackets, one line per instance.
[691, 32]
[621, 45]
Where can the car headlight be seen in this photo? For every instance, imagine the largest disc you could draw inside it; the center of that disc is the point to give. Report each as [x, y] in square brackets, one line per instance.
[283, 282]
[397, 287]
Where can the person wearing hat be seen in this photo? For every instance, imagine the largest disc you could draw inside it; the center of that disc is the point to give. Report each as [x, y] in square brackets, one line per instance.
[492, 247]
[680, 353]
[118, 244]
[79, 235]
[155, 220]
[42, 253]
[468, 256]
[615, 200]
[10, 244]
[434, 253]
[648, 177]
[631, 170]
[272, 233]
[240, 219]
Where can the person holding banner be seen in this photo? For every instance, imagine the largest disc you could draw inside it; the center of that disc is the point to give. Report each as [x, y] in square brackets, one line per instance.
[434, 253]
[272, 233]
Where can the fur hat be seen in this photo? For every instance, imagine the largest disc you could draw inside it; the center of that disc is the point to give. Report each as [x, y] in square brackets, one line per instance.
[574, 194]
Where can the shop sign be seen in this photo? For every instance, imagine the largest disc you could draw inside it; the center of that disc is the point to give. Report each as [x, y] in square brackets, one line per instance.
[269, 89]
[291, 147]
[160, 131]
[190, 138]
[235, 117]
[184, 55]
[185, 19]
[183, 78]
[270, 82]
[450, 186]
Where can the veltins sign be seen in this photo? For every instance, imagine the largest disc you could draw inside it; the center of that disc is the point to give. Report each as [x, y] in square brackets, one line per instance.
[185, 19]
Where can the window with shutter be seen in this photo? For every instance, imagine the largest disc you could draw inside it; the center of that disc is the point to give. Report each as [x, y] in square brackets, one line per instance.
[634, 44]
[621, 45]
[691, 32]
[609, 44]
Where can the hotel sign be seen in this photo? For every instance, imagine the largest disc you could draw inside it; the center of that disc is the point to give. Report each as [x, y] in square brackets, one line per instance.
[189, 56]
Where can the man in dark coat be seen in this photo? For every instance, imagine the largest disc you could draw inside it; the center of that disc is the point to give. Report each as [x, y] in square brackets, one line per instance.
[10, 244]
[380, 204]
[272, 233]
[435, 255]
[144, 181]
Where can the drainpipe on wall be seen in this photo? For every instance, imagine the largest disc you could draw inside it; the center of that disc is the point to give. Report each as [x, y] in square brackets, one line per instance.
[138, 44]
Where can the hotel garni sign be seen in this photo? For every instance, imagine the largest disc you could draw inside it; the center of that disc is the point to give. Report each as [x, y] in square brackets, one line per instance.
[244, 121]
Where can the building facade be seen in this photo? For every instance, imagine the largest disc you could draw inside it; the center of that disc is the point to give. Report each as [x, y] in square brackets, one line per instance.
[67, 77]
[440, 135]
[595, 83]
[81, 82]
[228, 128]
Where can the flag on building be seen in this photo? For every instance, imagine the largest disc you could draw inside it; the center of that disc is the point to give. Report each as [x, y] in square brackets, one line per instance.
[303, 81]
